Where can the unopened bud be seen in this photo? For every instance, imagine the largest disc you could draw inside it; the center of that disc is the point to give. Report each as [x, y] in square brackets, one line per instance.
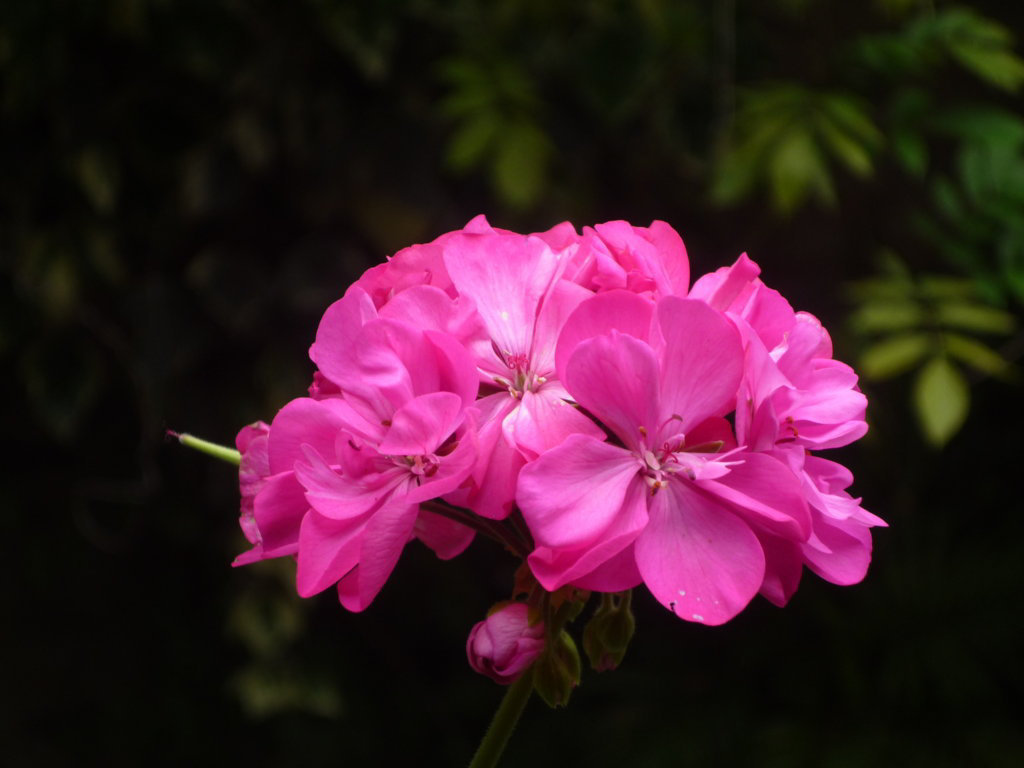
[608, 633]
[557, 671]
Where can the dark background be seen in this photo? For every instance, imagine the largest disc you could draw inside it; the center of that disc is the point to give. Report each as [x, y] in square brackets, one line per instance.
[185, 187]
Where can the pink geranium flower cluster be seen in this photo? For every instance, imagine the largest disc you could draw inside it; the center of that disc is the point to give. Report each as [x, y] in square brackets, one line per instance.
[630, 428]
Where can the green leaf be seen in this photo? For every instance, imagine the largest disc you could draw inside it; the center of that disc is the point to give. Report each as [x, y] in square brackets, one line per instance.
[941, 400]
[894, 355]
[883, 316]
[520, 163]
[471, 141]
[796, 169]
[974, 317]
[1001, 68]
[911, 151]
[976, 354]
[853, 154]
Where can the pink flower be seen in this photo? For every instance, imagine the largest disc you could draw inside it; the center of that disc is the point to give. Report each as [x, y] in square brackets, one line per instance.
[662, 506]
[648, 260]
[504, 645]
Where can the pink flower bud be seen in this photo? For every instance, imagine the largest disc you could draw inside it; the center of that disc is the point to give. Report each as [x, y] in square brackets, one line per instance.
[504, 645]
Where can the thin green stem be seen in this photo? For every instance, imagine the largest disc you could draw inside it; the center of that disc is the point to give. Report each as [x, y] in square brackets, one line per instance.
[221, 452]
[505, 719]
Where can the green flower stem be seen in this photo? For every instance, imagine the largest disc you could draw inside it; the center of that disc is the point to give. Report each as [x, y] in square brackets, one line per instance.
[221, 452]
[505, 719]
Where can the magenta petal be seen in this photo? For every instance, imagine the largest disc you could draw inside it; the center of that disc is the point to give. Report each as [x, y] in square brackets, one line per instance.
[453, 470]
[555, 568]
[543, 420]
[382, 542]
[278, 510]
[697, 558]
[343, 498]
[445, 537]
[421, 425]
[615, 377]
[334, 348]
[767, 493]
[614, 575]
[328, 549]
[506, 275]
[305, 422]
[573, 493]
[619, 310]
[844, 551]
[784, 565]
[701, 363]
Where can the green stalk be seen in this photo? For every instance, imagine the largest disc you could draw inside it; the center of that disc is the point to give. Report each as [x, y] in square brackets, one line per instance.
[221, 452]
[505, 719]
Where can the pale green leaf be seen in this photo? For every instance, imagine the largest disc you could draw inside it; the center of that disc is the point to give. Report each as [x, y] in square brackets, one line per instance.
[520, 163]
[975, 354]
[881, 316]
[974, 317]
[894, 355]
[796, 169]
[941, 400]
[471, 141]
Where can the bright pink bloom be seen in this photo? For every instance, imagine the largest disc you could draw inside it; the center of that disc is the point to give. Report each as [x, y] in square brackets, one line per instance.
[794, 397]
[515, 283]
[660, 377]
[406, 437]
[648, 260]
[504, 645]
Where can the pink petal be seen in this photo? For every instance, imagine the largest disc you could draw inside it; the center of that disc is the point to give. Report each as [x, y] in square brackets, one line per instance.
[614, 575]
[784, 565]
[559, 303]
[305, 422]
[573, 493]
[454, 468]
[382, 543]
[615, 377]
[328, 549]
[542, 420]
[346, 498]
[278, 510]
[697, 558]
[334, 348]
[445, 537]
[422, 424]
[619, 310]
[506, 275]
[764, 491]
[701, 362]
[555, 567]
[493, 487]
[844, 552]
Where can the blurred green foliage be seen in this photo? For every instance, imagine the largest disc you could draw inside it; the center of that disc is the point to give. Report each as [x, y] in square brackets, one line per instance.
[187, 184]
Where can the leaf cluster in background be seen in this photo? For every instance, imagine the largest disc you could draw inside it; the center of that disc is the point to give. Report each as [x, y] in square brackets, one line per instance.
[929, 324]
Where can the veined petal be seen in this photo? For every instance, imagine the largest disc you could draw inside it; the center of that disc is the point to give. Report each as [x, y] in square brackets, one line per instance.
[614, 575]
[345, 498]
[698, 559]
[619, 310]
[445, 537]
[334, 348]
[381, 545]
[848, 554]
[506, 275]
[573, 493]
[701, 361]
[764, 491]
[328, 549]
[422, 424]
[278, 510]
[615, 377]
[543, 420]
[306, 421]
[556, 567]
